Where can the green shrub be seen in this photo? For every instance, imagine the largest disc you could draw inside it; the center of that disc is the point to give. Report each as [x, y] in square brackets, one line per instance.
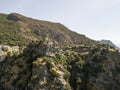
[53, 73]
[5, 49]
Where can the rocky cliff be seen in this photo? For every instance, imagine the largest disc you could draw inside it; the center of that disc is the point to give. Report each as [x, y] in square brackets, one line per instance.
[73, 67]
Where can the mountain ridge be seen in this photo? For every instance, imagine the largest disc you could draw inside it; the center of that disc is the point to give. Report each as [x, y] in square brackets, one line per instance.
[29, 29]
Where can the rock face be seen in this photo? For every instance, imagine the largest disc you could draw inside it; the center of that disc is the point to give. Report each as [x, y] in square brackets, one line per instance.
[45, 48]
[75, 67]
[48, 48]
[48, 76]
[13, 17]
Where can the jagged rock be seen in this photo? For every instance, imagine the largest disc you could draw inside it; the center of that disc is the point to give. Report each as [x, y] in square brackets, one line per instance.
[46, 48]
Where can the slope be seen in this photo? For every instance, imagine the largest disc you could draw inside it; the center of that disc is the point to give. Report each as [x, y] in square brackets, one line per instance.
[78, 67]
[16, 29]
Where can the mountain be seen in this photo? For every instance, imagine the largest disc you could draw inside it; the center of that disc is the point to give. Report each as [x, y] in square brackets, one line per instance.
[108, 42]
[16, 29]
[49, 56]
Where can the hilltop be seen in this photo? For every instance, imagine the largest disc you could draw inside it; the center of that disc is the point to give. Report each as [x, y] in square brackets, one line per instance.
[16, 29]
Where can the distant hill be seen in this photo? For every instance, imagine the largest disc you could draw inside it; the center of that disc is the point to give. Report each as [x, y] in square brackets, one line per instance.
[108, 42]
[16, 29]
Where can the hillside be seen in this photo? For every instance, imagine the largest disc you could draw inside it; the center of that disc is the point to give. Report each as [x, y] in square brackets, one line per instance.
[16, 29]
[42, 55]
[45, 66]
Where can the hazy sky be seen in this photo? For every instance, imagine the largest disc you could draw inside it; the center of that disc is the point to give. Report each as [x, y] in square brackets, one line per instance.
[97, 19]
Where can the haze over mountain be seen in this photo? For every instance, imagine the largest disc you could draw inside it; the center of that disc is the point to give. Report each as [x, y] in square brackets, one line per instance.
[108, 42]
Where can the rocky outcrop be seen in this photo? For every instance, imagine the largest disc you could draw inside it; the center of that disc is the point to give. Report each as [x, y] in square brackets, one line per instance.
[72, 67]
[13, 17]
[16, 17]
[48, 76]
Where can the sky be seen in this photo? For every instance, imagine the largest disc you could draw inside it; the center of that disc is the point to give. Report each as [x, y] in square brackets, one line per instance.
[97, 19]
